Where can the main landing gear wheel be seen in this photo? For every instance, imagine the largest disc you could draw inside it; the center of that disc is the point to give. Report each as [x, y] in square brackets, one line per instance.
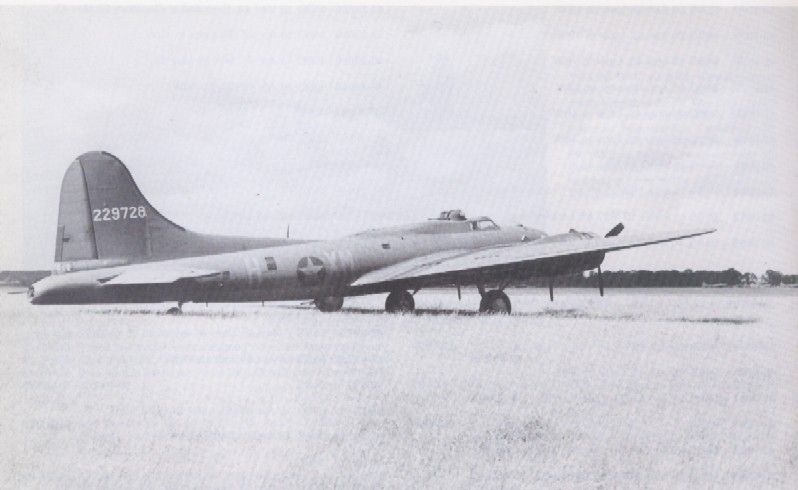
[328, 304]
[400, 302]
[495, 302]
[175, 310]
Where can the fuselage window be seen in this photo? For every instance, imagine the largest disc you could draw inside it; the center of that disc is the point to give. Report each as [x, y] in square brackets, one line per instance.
[271, 264]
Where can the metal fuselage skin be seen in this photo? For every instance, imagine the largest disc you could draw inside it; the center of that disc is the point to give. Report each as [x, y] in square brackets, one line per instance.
[290, 272]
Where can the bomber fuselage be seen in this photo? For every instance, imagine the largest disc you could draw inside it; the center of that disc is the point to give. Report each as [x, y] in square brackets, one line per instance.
[293, 272]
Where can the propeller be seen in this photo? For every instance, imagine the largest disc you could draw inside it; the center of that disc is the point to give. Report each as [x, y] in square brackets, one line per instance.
[601, 282]
[615, 231]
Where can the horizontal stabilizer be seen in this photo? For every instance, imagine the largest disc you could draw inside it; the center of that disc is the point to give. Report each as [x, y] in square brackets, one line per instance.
[149, 275]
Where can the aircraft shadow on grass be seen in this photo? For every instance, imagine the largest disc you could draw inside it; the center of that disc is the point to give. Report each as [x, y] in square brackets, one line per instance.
[565, 313]
[546, 313]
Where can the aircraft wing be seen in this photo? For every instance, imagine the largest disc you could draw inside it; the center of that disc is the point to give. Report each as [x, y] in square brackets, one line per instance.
[142, 275]
[426, 269]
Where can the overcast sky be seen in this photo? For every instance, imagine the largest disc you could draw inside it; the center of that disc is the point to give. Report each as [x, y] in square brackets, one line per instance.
[239, 121]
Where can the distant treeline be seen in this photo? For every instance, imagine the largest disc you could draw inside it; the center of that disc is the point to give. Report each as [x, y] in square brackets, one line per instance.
[21, 278]
[612, 279]
[668, 279]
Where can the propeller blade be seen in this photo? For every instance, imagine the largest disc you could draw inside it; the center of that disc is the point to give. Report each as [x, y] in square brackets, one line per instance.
[601, 282]
[615, 231]
[551, 289]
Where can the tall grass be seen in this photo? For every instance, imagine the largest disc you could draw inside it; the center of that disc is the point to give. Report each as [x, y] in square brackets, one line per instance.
[674, 390]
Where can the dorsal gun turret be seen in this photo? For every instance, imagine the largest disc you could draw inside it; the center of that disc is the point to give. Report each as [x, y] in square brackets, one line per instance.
[452, 215]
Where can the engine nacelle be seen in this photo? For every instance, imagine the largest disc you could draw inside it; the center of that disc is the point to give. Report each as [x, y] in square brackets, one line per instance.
[569, 264]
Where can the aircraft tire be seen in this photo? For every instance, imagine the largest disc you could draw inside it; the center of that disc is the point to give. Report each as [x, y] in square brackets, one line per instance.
[329, 304]
[400, 302]
[174, 311]
[495, 302]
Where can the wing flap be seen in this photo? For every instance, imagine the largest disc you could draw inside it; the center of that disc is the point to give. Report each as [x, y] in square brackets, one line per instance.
[433, 265]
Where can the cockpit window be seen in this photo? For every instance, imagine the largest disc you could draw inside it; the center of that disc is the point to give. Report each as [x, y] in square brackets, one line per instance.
[484, 224]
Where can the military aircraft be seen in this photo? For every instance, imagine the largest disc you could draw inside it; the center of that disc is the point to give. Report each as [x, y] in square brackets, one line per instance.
[113, 246]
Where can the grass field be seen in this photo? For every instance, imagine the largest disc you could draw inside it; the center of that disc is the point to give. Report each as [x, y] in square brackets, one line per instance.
[665, 389]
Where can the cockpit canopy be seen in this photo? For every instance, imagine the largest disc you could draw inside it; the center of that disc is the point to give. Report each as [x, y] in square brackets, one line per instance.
[483, 223]
[478, 224]
[452, 221]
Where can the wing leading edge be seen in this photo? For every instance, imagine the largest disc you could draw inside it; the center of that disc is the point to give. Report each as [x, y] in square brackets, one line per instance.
[524, 253]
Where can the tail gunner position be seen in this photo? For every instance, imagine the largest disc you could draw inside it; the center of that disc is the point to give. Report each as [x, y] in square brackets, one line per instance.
[112, 246]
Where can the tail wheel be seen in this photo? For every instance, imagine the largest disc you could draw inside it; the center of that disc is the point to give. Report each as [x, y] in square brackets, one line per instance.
[495, 302]
[400, 302]
[329, 304]
[175, 310]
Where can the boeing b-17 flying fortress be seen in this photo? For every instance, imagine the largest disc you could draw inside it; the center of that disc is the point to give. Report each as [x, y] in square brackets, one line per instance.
[113, 246]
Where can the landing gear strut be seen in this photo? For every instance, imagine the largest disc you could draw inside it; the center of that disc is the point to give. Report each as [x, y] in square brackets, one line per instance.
[495, 302]
[400, 301]
[329, 304]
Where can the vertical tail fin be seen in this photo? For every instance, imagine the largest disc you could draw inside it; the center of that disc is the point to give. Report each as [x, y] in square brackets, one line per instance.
[103, 217]
[102, 213]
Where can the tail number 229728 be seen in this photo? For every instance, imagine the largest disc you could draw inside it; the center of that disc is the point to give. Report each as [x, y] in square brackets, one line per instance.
[117, 213]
